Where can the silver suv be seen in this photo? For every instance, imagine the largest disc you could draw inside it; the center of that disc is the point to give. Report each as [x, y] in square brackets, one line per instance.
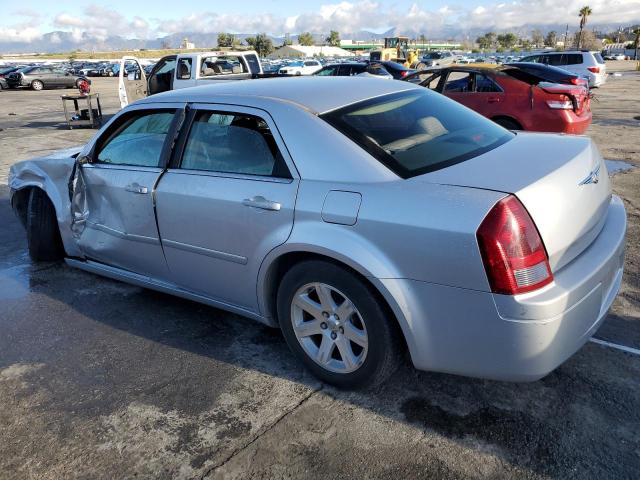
[586, 64]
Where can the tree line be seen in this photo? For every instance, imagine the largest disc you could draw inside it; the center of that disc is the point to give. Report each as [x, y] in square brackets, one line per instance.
[263, 44]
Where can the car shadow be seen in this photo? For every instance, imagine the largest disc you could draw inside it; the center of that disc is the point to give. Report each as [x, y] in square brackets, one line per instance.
[537, 427]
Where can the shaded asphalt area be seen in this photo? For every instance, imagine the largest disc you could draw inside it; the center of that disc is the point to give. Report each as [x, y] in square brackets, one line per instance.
[99, 379]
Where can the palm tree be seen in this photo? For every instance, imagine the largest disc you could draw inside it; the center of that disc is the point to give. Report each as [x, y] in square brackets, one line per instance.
[584, 13]
[636, 43]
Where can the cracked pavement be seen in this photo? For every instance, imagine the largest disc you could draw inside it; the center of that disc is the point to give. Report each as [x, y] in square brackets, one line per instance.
[100, 379]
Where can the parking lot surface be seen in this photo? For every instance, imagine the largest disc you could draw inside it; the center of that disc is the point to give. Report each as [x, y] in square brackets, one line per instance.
[100, 379]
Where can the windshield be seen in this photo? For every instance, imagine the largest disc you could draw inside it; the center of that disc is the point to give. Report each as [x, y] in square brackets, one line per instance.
[433, 56]
[417, 131]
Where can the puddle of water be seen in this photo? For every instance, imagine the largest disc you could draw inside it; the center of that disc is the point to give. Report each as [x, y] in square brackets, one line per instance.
[616, 166]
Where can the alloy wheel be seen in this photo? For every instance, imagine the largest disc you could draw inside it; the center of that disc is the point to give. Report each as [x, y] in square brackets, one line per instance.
[329, 327]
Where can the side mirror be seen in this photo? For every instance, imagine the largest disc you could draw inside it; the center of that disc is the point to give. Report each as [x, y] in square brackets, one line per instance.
[83, 160]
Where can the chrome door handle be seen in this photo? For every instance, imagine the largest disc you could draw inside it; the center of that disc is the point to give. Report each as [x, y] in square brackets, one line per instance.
[261, 202]
[135, 188]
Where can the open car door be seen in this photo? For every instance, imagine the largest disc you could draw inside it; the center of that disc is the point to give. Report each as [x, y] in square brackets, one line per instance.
[132, 83]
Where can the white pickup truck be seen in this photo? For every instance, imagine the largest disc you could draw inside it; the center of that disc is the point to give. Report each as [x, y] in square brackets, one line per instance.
[185, 70]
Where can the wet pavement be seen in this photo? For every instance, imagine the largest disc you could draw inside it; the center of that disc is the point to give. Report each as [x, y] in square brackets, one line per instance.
[99, 379]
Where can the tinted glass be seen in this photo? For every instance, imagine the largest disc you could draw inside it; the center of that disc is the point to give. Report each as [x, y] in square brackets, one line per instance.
[232, 143]
[459, 82]
[598, 58]
[418, 131]
[184, 69]
[254, 63]
[166, 66]
[573, 59]
[555, 59]
[327, 71]
[138, 141]
[532, 58]
[485, 84]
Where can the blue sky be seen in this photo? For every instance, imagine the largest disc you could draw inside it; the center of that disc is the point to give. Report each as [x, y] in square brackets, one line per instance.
[151, 18]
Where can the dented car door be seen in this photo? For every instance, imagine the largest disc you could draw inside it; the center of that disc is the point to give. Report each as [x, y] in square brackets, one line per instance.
[132, 81]
[113, 192]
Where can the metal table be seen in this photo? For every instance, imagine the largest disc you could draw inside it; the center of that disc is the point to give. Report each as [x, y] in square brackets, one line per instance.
[81, 117]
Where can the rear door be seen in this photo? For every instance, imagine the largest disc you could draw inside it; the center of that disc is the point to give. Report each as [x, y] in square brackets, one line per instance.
[227, 200]
[132, 82]
[113, 203]
[458, 85]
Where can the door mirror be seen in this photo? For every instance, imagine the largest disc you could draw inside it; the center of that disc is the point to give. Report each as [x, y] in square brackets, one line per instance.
[83, 160]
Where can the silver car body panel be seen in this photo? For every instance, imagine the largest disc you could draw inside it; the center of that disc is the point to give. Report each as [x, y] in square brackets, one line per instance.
[414, 240]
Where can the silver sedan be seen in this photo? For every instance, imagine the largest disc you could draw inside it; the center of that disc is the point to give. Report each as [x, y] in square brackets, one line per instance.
[364, 218]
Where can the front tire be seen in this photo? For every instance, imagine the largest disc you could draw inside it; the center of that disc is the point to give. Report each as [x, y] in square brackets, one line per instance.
[37, 85]
[43, 234]
[334, 324]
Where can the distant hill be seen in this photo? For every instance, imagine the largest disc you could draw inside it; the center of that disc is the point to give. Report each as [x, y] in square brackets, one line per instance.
[60, 41]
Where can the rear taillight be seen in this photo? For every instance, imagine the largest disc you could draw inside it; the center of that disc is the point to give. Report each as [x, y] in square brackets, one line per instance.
[594, 69]
[575, 81]
[564, 103]
[512, 251]
[404, 73]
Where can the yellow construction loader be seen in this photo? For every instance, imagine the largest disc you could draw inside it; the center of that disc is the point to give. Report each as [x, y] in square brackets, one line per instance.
[396, 49]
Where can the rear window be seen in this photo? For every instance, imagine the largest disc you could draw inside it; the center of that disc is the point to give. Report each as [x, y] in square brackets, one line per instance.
[417, 131]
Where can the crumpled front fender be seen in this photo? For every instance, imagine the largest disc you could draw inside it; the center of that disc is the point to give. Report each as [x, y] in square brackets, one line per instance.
[51, 174]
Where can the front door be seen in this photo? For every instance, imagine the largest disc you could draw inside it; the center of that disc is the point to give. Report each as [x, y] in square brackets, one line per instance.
[132, 82]
[227, 200]
[161, 77]
[118, 180]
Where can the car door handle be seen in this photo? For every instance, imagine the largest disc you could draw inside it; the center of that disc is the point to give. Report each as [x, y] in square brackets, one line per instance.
[493, 99]
[136, 188]
[261, 202]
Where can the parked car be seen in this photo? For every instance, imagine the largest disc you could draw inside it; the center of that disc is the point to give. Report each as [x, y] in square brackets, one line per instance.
[583, 63]
[418, 223]
[512, 97]
[397, 70]
[5, 71]
[349, 69]
[547, 73]
[40, 77]
[306, 67]
[433, 59]
[3, 84]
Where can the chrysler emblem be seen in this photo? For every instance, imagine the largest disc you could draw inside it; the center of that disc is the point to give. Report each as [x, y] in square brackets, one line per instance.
[593, 176]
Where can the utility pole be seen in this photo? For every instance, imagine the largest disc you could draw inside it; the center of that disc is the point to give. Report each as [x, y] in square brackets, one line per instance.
[566, 32]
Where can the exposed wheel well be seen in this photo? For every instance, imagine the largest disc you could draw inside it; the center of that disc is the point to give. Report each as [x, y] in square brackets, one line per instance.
[278, 269]
[509, 119]
[20, 203]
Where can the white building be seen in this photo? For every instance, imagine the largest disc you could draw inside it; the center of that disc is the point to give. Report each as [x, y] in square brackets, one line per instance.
[186, 44]
[301, 51]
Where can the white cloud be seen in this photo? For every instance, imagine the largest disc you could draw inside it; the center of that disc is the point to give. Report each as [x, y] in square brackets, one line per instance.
[347, 17]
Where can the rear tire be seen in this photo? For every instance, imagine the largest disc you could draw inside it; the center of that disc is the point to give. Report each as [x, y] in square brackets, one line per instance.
[37, 85]
[43, 234]
[375, 351]
[508, 123]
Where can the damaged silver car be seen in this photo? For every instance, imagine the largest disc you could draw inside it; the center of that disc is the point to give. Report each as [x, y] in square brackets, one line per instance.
[363, 218]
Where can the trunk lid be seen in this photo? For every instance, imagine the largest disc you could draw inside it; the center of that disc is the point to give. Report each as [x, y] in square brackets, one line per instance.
[577, 94]
[561, 180]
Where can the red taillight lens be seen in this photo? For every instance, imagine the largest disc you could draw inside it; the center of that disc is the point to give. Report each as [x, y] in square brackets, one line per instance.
[575, 81]
[594, 69]
[512, 251]
[404, 73]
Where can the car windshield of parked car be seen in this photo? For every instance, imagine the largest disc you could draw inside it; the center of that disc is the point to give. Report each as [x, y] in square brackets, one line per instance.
[417, 131]
[433, 56]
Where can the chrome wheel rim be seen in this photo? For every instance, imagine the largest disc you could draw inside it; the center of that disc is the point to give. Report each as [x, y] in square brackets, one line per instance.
[329, 327]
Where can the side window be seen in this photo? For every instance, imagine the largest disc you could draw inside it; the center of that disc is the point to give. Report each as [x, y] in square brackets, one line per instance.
[573, 59]
[253, 62]
[428, 79]
[556, 60]
[459, 82]
[485, 84]
[166, 66]
[223, 65]
[137, 141]
[183, 72]
[532, 59]
[232, 143]
[326, 72]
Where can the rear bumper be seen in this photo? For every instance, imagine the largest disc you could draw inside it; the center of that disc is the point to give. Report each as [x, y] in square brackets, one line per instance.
[574, 123]
[515, 338]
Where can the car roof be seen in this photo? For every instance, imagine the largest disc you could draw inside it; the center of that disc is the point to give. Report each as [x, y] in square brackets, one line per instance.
[318, 94]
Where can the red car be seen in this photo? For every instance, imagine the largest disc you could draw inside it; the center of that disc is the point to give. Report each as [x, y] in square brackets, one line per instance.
[512, 97]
